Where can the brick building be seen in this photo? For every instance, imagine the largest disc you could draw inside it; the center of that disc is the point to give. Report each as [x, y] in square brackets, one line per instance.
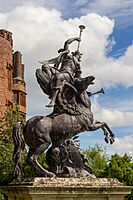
[12, 84]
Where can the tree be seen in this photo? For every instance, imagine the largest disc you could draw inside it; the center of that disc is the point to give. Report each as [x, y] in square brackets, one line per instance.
[6, 144]
[121, 167]
[97, 159]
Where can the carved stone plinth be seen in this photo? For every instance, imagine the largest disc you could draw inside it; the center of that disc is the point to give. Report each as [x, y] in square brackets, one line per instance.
[66, 188]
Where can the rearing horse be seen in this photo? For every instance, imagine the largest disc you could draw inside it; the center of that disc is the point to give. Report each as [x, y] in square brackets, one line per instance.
[71, 116]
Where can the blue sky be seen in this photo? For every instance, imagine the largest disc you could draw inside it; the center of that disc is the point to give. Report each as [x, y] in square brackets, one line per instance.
[123, 38]
[40, 28]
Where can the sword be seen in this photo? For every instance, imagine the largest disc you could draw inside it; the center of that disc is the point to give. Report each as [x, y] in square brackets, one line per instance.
[51, 61]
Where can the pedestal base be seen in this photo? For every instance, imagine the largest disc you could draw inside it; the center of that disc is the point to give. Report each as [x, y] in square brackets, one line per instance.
[66, 188]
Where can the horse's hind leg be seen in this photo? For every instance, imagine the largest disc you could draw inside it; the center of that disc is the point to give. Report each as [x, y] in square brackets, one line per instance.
[32, 160]
[109, 136]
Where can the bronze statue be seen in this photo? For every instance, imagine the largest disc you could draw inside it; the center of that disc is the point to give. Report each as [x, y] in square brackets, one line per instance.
[71, 115]
[67, 160]
[66, 68]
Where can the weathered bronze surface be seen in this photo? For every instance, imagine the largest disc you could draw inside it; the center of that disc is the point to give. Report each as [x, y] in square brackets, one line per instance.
[60, 78]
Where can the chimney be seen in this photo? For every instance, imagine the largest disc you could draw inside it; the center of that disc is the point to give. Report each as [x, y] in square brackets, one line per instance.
[18, 66]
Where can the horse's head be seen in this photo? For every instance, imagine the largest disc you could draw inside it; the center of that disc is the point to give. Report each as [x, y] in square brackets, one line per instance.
[82, 83]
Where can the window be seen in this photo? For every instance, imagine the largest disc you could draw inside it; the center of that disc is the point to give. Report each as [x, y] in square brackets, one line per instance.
[16, 98]
[9, 104]
[22, 99]
[9, 76]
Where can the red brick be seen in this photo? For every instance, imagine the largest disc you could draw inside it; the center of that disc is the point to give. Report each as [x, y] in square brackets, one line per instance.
[11, 73]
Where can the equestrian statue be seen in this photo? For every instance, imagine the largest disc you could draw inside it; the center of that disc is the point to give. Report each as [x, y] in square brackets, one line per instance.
[61, 79]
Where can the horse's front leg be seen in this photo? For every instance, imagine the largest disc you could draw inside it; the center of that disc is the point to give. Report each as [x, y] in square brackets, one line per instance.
[109, 136]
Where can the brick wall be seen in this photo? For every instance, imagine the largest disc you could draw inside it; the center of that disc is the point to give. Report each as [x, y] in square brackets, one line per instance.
[12, 84]
[6, 69]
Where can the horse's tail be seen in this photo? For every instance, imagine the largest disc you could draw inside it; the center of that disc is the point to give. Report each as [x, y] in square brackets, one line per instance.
[19, 146]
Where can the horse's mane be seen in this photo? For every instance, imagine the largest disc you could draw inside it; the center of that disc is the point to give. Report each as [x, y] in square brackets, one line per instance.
[66, 100]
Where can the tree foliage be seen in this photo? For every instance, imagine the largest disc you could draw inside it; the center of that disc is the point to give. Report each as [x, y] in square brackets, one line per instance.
[97, 159]
[121, 167]
[6, 144]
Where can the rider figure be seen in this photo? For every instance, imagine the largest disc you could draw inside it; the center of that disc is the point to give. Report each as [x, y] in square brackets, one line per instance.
[68, 68]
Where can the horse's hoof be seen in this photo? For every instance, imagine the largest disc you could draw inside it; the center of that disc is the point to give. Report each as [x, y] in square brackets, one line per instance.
[51, 175]
[113, 137]
[112, 140]
[106, 140]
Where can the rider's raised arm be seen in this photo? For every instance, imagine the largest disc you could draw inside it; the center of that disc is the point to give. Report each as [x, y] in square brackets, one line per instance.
[69, 41]
[65, 50]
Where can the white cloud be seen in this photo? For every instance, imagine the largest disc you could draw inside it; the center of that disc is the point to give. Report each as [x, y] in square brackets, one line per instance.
[113, 117]
[111, 72]
[39, 32]
[7, 5]
[122, 145]
[121, 11]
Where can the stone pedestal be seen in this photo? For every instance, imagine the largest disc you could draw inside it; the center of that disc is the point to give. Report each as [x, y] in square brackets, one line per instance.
[66, 188]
